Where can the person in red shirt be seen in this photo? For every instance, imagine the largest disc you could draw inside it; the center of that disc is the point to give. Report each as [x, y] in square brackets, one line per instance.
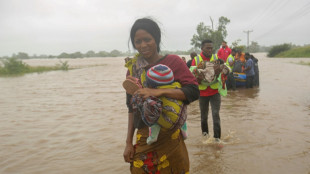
[224, 52]
[208, 94]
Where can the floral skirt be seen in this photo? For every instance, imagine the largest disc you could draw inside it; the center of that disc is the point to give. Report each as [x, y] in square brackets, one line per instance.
[166, 156]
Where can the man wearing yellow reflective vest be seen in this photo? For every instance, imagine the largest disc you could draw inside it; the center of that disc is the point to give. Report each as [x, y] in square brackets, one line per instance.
[230, 62]
[208, 93]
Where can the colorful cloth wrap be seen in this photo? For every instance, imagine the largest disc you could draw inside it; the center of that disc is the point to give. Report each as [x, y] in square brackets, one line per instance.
[150, 108]
[169, 153]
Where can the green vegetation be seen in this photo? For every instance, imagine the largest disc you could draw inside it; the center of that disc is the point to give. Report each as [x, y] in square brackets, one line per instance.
[304, 63]
[113, 53]
[15, 67]
[296, 52]
[289, 51]
[208, 32]
[277, 49]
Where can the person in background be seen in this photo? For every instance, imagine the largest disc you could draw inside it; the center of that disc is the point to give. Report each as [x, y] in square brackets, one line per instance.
[256, 71]
[224, 52]
[183, 58]
[208, 93]
[249, 71]
[231, 82]
[238, 65]
[241, 56]
[189, 62]
[169, 153]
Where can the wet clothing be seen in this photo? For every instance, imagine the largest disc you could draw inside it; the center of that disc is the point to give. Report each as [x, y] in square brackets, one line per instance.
[249, 81]
[223, 53]
[207, 96]
[231, 82]
[168, 154]
[249, 72]
[215, 101]
[256, 71]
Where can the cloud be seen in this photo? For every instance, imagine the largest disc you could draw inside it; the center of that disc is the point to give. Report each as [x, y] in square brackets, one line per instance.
[55, 26]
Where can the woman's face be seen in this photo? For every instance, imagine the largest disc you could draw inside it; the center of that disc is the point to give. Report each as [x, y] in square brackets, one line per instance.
[145, 44]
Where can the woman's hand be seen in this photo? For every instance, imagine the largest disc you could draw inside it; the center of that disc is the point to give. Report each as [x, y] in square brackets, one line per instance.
[128, 153]
[131, 78]
[147, 92]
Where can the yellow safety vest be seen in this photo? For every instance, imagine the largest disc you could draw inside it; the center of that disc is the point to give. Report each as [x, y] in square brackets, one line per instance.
[227, 62]
[214, 84]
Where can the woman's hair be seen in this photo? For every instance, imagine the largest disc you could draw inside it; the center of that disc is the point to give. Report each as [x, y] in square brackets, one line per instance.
[149, 26]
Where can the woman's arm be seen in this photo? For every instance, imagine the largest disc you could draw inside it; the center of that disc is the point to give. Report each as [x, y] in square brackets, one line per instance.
[129, 149]
[171, 93]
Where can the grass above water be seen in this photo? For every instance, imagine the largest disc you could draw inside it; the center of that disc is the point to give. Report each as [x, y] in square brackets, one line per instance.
[296, 53]
[304, 63]
[15, 67]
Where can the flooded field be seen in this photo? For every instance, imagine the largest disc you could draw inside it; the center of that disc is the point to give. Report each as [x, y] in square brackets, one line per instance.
[76, 121]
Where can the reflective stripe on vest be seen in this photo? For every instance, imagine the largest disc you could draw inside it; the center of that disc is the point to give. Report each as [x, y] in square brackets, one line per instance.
[213, 58]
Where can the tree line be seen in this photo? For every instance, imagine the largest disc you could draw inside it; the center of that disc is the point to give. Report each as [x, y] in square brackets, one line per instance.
[114, 53]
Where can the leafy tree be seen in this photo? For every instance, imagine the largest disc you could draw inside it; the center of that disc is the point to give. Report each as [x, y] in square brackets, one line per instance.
[102, 54]
[77, 55]
[22, 55]
[235, 45]
[90, 54]
[64, 55]
[208, 32]
[115, 53]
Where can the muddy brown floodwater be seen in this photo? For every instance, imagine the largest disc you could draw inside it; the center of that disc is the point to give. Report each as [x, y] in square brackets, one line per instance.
[75, 122]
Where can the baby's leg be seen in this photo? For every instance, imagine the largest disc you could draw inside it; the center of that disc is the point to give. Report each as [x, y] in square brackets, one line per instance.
[153, 134]
[184, 131]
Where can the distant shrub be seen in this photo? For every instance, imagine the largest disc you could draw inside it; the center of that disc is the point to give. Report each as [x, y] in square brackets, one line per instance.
[13, 66]
[63, 65]
[296, 52]
[278, 49]
[304, 63]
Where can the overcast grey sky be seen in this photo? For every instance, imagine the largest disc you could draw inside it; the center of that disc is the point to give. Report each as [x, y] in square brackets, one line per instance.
[56, 26]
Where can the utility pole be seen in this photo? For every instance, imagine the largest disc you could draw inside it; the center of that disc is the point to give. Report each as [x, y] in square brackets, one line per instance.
[248, 36]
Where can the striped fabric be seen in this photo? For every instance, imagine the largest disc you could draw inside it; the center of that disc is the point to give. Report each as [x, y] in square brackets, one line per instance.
[159, 75]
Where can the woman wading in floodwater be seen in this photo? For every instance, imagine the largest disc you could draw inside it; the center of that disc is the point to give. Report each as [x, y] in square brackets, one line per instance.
[168, 154]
